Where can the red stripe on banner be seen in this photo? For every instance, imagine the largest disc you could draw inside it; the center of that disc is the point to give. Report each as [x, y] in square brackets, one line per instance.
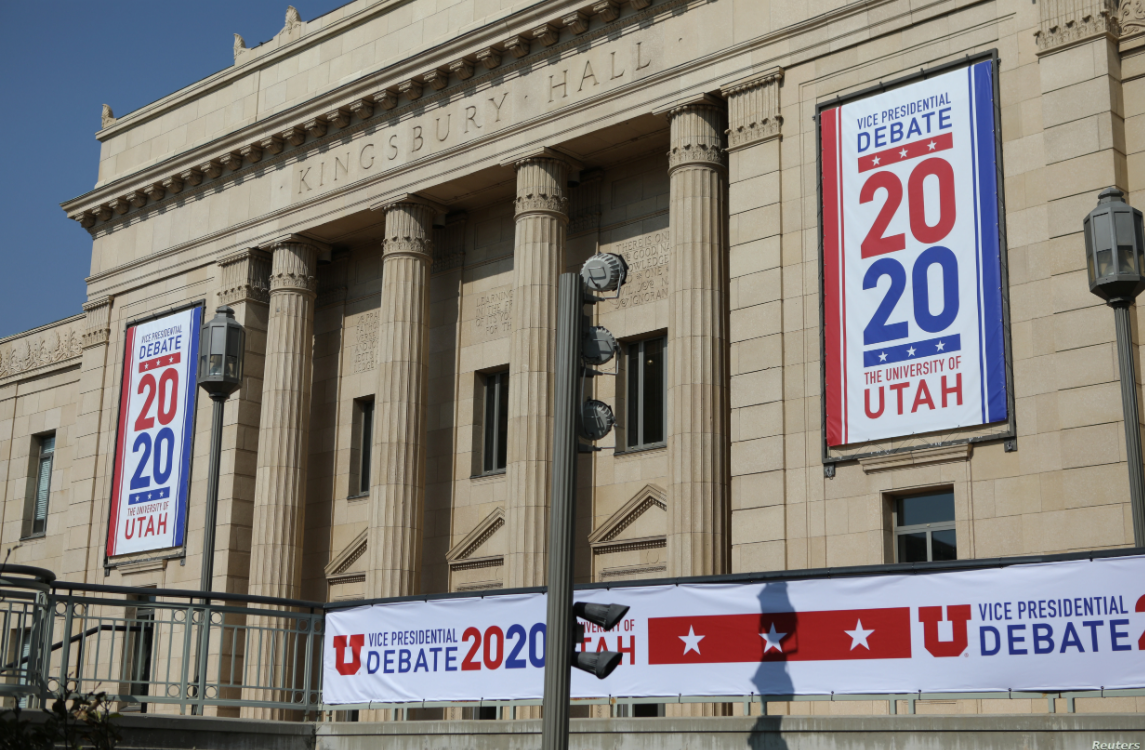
[832, 272]
[906, 152]
[154, 364]
[781, 636]
[120, 448]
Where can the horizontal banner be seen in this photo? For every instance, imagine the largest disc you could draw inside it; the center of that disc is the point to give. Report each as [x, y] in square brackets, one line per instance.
[1045, 627]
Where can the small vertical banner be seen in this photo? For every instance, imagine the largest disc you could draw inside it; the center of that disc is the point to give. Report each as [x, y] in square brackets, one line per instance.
[156, 424]
[912, 283]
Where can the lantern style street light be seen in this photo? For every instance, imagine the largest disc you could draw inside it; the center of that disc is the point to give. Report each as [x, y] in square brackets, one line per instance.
[220, 374]
[1113, 254]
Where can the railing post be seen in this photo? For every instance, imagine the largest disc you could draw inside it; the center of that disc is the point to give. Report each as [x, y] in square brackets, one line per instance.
[65, 657]
[204, 647]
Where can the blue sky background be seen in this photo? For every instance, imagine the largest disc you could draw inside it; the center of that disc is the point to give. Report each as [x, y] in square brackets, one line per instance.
[59, 61]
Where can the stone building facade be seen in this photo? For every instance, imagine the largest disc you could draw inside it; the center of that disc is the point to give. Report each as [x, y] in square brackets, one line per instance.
[395, 269]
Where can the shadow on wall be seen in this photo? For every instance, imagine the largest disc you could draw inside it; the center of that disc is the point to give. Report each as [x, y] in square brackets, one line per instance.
[777, 644]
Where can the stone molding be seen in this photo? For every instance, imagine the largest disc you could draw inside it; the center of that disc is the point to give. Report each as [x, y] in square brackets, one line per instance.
[1066, 22]
[53, 344]
[650, 495]
[459, 557]
[97, 329]
[246, 277]
[753, 109]
[338, 569]
[920, 457]
[315, 128]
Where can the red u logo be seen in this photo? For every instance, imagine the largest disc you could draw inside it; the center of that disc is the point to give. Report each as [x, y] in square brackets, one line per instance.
[355, 663]
[958, 615]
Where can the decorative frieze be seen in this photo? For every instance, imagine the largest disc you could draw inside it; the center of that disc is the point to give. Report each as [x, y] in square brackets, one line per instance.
[1132, 18]
[62, 341]
[577, 21]
[1065, 22]
[753, 109]
[547, 34]
[97, 322]
[490, 57]
[463, 69]
[246, 277]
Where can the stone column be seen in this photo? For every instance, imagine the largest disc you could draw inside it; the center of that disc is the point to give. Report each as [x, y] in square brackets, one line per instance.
[698, 341]
[280, 477]
[397, 493]
[538, 259]
[94, 439]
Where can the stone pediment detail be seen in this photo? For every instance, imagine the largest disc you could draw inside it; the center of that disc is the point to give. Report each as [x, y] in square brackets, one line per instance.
[480, 548]
[348, 565]
[391, 101]
[639, 523]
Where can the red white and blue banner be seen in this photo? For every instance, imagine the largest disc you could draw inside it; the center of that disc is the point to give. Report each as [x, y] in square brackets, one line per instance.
[1043, 627]
[156, 424]
[912, 276]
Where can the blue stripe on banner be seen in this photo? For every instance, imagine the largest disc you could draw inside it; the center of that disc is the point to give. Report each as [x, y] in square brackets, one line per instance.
[912, 351]
[145, 497]
[189, 393]
[993, 337]
[977, 243]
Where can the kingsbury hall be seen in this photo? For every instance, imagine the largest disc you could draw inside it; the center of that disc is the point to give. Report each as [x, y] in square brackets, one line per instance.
[795, 342]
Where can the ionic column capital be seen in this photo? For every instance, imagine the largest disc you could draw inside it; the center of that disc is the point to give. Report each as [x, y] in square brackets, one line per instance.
[294, 263]
[409, 226]
[698, 126]
[542, 180]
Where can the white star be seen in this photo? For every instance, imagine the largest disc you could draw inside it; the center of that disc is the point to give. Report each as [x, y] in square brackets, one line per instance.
[883, 357]
[691, 640]
[940, 346]
[772, 639]
[859, 636]
[875, 161]
[932, 145]
[902, 154]
[910, 352]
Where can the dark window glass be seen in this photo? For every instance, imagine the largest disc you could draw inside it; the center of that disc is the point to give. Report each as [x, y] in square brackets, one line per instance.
[496, 421]
[924, 527]
[367, 445]
[141, 643]
[936, 508]
[647, 383]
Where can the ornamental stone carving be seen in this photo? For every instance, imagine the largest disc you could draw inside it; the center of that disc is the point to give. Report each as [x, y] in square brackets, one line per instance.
[577, 21]
[293, 136]
[386, 99]
[293, 261]
[363, 109]
[518, 46]
[107, 118]
[1065, 22]
[211, 169]
[490, 57]
[97, 322]
[753, 109]
[29, 351]
[694, 142]
[366, 350]
[606, 10]
[1132, 17]
[547, 34]
[246, 277]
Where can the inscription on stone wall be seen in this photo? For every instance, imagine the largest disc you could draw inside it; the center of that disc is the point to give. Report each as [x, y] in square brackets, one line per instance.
[647, 257]
[366, 350]
[494, 317]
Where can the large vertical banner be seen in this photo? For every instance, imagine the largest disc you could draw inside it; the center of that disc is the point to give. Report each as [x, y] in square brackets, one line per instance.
[156, 424]
[914, 336]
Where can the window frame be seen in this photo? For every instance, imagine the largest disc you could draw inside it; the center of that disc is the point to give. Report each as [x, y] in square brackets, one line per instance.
[365, 445]
[494, 410]
[37, 525]
[929, 528]
[633, 433]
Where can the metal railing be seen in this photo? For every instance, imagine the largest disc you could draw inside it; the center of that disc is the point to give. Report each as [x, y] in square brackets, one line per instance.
[153, 647]
[168, 650]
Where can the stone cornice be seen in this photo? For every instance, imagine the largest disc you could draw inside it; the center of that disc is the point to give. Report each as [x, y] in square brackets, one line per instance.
[331, 114]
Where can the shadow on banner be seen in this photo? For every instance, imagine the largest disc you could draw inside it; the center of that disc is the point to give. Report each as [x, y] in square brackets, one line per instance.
[777, 620]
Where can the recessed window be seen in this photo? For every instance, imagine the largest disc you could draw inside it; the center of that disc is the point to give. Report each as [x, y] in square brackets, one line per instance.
[647, 385]
[924, 527]
[42, 483]
[496, 422]
[365, 440]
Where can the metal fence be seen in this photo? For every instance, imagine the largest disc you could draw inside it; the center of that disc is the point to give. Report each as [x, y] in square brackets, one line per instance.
[166, 650]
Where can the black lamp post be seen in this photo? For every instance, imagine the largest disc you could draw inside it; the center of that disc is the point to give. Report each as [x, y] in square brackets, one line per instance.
[1113, 252]
[220, 374]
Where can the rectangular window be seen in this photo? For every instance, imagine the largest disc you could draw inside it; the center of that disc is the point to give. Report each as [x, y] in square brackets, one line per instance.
[924, 527]
[496, 422]
[647, 386]
[42, 483]
[365, 445]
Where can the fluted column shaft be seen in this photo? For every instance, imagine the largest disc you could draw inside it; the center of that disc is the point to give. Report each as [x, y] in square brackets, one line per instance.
[280, 477]
[538, 259]
[397, 492]
[698, 343]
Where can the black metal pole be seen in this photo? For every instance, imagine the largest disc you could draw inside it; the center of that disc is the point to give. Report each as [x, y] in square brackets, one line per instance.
[562, 518]
[1125, 356]
[205, 582]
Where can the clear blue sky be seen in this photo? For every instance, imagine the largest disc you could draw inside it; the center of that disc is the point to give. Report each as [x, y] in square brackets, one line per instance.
[59, 61]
